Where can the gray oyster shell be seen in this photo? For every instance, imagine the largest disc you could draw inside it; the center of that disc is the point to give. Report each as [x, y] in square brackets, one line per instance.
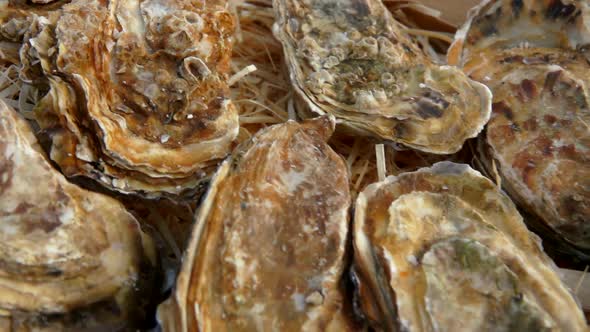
[351, 59]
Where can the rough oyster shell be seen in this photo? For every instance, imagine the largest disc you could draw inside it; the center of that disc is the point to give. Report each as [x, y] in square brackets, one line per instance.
[62, 248]
[351, 59]
[442, 249]
[137, 91]
[538, 137]
[268, 250]
[18, 20]
[504, 24]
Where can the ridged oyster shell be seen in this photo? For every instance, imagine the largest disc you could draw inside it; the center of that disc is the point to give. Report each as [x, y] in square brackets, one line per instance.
[268, 249]
[533, 56]
[137, 91]
[351, 59]
[442, 249]
[18, 22]
[63, 250]
[497, 25]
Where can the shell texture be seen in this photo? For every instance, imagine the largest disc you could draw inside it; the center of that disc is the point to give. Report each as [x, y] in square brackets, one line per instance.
[62, 248]
[497, 25]
[442, 249]
[137, 94]
[533, 56]
[268, 249]
[351, 59]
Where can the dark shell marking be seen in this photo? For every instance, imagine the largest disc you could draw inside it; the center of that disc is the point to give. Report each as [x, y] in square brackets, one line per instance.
[538, 138]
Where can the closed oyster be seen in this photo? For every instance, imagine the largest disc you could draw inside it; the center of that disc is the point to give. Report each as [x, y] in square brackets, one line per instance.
[352, 59]
[67, 255]
[137, 92]
[538, 137]
[497, 25]
[442, 249]
[268, 249]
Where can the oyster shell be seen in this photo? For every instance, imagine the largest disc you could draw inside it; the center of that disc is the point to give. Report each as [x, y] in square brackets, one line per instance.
[351, 59]
[268, 249]
[538, 136]
[442, 249]
[496, 25]
[17, 23]
[137, 91]
[63, 250]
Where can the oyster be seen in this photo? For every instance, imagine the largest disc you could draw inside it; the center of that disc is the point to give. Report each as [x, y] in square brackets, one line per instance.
[442, 249]
[137, 91]
[66, 253]
[268, 249]
[538, 137]
[497, 25]
[352, 59]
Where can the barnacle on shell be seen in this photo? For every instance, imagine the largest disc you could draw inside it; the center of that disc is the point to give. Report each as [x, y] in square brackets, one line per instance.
[137, 91]
[351, 59]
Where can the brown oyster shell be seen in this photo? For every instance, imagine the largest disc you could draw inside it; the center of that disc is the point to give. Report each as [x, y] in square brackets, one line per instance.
[62, 249]
[268, 249]
[442, 249]
[496, 25]
[351, 59]
[539, 140]
[532, 55]
[19, 20]
[137, 92]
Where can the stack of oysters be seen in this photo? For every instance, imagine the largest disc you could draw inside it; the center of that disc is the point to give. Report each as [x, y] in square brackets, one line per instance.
[134, 102]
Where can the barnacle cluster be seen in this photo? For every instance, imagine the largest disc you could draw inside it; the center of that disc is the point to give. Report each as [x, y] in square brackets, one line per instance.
[351, 59]
[137, 94]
